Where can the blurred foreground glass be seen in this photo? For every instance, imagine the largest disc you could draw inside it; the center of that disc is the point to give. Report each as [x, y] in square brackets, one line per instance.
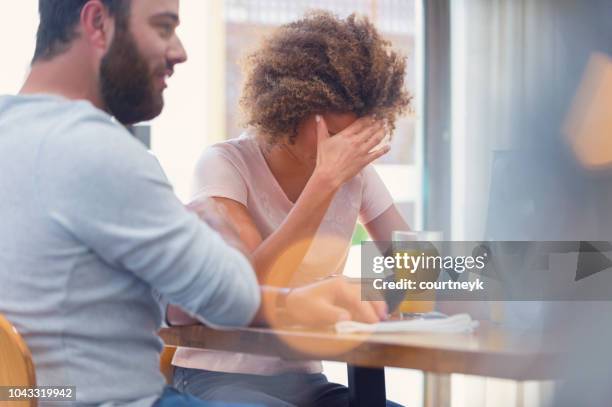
[416, 302]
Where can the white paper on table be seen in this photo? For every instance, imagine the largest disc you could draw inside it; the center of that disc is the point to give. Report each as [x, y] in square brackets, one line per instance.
[459, 323]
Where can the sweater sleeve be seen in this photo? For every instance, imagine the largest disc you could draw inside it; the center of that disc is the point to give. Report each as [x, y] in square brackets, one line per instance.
[103, 188]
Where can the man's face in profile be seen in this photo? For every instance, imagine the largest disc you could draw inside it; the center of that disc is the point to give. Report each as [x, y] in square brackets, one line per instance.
[141, 57]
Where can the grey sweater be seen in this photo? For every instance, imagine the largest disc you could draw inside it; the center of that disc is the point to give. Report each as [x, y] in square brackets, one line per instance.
[89, 228]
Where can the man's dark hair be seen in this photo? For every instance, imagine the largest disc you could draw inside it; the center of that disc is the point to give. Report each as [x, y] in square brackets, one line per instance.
[58, 21]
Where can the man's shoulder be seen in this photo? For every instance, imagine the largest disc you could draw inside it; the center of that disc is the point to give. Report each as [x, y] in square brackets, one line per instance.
[82, 120]
[78, 132]
[57, 119]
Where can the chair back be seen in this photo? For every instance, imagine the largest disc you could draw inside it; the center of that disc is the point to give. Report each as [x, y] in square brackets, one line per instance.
[16, 366]
[165, 363]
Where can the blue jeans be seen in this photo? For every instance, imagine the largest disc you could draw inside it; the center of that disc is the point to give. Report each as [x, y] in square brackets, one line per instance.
[173, 398]
[284, 390]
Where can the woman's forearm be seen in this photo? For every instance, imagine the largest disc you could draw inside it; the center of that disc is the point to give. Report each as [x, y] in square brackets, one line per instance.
[279, 255]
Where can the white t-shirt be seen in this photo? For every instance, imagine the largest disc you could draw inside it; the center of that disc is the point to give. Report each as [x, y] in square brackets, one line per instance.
[236, 169]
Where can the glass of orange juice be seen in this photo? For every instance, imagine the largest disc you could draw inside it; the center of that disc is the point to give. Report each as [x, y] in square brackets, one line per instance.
[416, 302]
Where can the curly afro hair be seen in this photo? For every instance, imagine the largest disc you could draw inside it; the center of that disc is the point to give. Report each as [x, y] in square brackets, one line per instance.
[320, 64]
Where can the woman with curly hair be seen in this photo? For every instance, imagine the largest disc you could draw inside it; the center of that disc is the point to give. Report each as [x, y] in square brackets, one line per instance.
[321, 96]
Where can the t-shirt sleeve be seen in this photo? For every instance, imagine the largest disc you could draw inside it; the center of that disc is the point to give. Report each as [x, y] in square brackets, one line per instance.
[375, 197]
[100, 187]
[217, 174]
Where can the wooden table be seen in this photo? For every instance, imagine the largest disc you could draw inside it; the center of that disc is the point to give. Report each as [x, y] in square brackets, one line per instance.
[489, 351]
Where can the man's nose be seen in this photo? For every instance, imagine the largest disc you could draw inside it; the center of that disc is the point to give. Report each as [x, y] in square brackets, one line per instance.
[177, 53]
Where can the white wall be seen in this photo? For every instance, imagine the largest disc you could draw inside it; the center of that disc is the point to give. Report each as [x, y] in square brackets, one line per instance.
[18, 25]
[194, 115]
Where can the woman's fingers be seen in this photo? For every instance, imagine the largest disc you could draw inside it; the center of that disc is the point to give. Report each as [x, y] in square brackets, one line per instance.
[381, 309]
[358, 126]
[347, 153]
[360, 310]
[322, 132]
[370, 130]
[330, 301]
[374, 155]
[374, 140]
[325, 313]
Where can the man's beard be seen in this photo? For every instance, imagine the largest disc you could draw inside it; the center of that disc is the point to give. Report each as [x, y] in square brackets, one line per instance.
[126, 82]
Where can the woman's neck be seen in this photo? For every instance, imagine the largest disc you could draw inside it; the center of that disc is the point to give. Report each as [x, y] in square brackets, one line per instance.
[291, 171]
[283, 158]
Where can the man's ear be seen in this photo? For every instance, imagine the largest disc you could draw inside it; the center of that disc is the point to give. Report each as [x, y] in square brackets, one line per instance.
[97, 25]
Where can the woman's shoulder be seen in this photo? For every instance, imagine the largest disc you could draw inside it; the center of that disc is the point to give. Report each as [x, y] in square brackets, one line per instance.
[239, 150]
[243, 147]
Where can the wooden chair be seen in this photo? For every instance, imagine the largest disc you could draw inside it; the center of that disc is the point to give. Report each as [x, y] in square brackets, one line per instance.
[165, 362]
[16, 366]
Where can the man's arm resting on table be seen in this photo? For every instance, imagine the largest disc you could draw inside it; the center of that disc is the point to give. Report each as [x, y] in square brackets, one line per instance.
[326, 302]
[321, 303]
[274, 297]
[209, 212]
